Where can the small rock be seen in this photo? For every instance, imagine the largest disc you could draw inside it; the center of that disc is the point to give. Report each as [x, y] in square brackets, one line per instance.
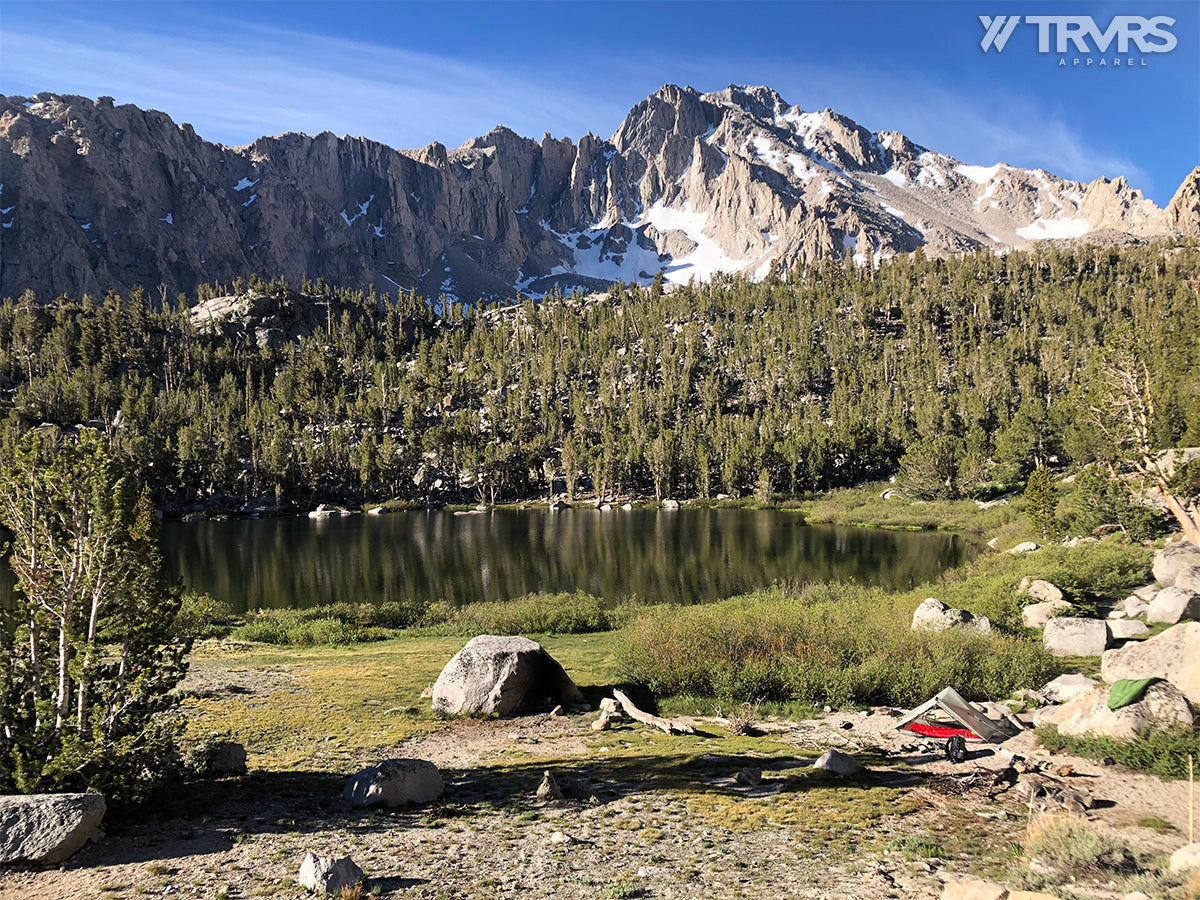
[1185, 858]
[1146, 592]
[549, 789]
[1043, 591]
[395, 782]
[559, 837]
[1023, 547]
[610, 705]
[1036, 615]
[933, 615]
[328, 875]
[603, 723]
[1067, 687]
[839, 763]
[749, 776]
[1136, 607]
[1039, 866]
[1123, 629]
[973, 889]
[653, 872]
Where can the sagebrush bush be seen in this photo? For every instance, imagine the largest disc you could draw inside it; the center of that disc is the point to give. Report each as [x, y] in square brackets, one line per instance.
[833, 644]
[1077, 848]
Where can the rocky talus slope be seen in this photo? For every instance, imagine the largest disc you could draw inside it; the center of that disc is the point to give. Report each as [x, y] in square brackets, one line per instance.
[99, 196]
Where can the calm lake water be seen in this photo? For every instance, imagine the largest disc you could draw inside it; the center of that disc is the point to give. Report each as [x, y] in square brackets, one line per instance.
[684, 556]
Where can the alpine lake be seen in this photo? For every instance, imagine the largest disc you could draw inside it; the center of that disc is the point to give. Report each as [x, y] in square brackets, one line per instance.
[656, 556]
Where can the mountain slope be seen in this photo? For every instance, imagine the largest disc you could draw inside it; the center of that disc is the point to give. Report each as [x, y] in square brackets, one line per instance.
[98, 196]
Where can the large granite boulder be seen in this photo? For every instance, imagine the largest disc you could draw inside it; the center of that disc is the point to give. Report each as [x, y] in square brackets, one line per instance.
[47, 828]
[1173, 559]
[934, 615]
[1162, 705]
[1173, 655]
[504, 676]
[395, 782]
[1075, 637]
[1174, 604]
[1188, 579]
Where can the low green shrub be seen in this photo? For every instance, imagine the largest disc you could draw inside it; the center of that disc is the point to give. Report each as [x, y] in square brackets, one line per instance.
[1161, 752]
[351, 623]
[988, 584]
[302, 628]
[200, 616]
[835, 644]
[542, 613]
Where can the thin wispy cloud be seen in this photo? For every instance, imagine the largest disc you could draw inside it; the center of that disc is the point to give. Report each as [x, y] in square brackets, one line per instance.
[239, 83]
[236, 81]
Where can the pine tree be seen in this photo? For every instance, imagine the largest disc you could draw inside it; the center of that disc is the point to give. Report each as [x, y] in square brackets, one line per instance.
[87, 656]
[1041, 502]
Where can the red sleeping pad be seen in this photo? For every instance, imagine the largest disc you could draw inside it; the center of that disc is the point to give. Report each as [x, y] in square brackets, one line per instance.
[941, 731]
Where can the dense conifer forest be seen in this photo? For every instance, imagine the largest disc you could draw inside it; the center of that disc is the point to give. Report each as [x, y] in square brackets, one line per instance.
[959, 373]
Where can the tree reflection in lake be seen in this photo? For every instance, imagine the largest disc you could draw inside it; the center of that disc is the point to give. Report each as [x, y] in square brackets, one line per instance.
[684, 556]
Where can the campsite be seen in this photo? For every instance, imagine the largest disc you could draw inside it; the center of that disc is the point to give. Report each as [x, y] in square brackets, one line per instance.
[713, 799]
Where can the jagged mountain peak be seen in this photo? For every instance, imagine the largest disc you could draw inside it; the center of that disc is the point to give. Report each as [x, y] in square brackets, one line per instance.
[1183, 212]
[98, 196]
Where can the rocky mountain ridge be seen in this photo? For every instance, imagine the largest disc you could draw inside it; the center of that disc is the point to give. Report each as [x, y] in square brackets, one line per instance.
[99, 196]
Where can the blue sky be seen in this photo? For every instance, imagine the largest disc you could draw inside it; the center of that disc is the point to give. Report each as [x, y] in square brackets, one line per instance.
[410, 73]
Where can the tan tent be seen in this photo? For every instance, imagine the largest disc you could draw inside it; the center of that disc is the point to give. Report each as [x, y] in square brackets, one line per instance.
[972, 724]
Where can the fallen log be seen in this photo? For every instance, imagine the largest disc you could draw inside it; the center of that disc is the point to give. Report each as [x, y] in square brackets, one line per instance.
[667, 725]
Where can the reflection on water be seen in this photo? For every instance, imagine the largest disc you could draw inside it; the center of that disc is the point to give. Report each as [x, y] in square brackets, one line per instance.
[684, 556]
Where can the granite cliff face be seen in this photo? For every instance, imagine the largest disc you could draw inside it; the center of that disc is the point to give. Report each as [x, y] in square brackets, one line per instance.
[1183, 212]
[97, 196]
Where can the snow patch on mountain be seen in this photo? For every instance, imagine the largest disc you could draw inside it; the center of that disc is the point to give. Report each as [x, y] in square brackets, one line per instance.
[1054, 229]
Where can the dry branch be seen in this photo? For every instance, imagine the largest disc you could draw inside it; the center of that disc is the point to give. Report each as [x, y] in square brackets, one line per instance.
[668, 725]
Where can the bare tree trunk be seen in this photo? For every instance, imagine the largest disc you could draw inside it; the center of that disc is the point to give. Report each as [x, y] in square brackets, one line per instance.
[1187, 520]
[667, 725]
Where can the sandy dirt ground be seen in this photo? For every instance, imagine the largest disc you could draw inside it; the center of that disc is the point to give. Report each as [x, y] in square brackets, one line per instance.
[673, 822]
